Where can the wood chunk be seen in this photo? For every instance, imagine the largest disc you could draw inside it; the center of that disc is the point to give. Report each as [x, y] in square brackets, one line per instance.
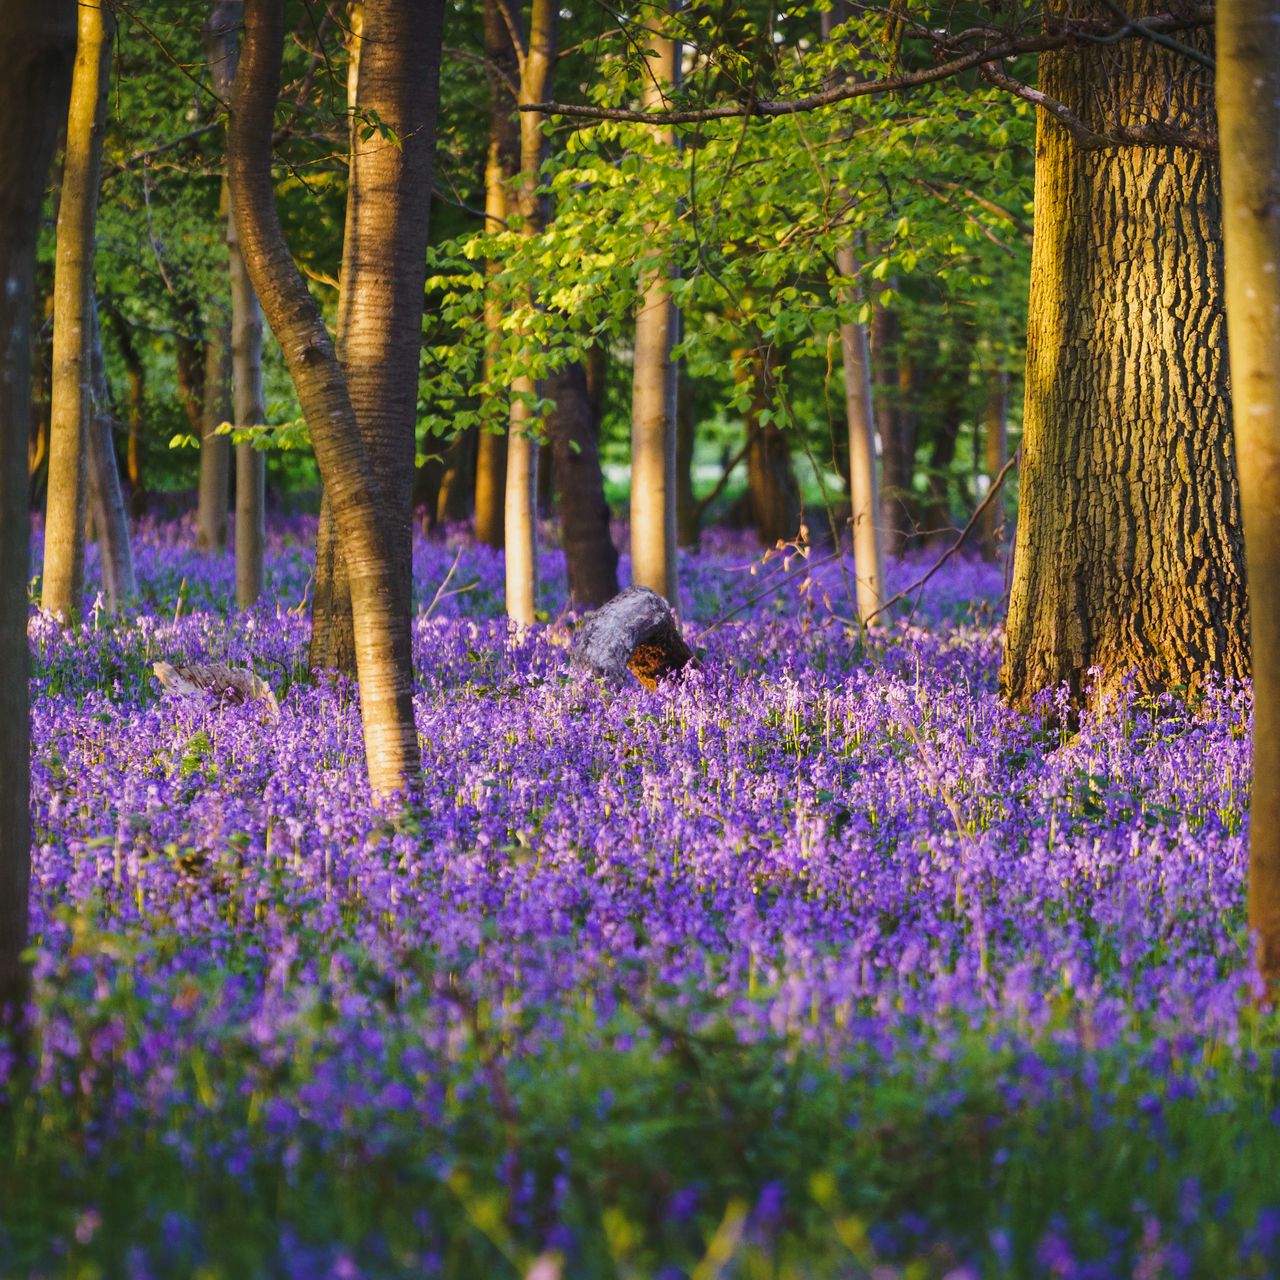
[636, 632]
[236, 685]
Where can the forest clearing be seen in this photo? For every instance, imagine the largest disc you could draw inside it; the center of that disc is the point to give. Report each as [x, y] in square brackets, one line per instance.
[639, 641]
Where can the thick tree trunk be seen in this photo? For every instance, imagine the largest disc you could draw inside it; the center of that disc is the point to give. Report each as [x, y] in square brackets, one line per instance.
[773, 494]
[63, 578]
[35, 65]
[521, 505]
[222, 50]
[384, 257]
[106, 501]
[1248, 94]
[864, 486]
[215, 449]
[384, 657]
[996, 446]
[502, 161]
[653, 389]
[573, 433]
[1129, 555]
[688, 524]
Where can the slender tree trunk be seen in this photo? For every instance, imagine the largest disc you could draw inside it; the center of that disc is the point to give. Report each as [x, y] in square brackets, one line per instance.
[996, 442]
[864, 487]
[222, 51]
[384, 657]
[1129, 555]
[457, 484]
[521, 498]
[106, 501]
[137, 406]
[653, 390]
[215, 449]
[939, 519]
[35, 65]
[573, 433]
[896, 427]
[1248, 97]
[502, 161]
[773, 494]
[688, 523]
[63, 578]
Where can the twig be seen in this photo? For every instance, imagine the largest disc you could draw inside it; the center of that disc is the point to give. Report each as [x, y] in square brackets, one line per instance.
[957, 544]
[777, 586]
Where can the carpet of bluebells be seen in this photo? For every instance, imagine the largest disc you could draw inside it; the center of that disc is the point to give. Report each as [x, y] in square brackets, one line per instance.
[819, 963]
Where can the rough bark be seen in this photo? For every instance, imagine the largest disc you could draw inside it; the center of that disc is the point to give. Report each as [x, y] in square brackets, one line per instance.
[634, 632]
[384, 658]
[521, 495]
[654, 389]
[1248, 100]
[215, 449]
[221, 36]
[572, 435]
[106, 500]
[380, 296]
[773, 493]
[35, 66]
[1129, 555]
[503, 158]
[995, 419]
[63, 578]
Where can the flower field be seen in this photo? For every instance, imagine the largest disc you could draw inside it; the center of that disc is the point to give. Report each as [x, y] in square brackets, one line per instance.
[817, 964]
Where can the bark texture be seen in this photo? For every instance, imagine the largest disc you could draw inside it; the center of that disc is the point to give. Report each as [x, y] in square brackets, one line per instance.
[654, 388]
[573, 435]
[773, 493]
[35, 67]
[384, 257]
[1129, 555]
[996, 448]
[62, 581]
[634, 632]
[384, 658]
[1248, 98]
[502, 160]
[106, 500]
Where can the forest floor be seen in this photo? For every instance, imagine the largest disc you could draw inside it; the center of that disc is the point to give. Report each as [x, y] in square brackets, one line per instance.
[818, 963]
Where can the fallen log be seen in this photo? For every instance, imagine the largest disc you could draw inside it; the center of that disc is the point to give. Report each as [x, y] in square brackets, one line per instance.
[634, 632]
[236, 685]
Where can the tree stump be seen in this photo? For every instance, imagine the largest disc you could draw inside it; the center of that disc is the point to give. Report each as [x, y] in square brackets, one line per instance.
[636, 632]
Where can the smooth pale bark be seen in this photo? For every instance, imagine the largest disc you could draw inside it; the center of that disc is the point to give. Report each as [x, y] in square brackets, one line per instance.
[521, 495]
[864, 486]
[573, 438]
[106, 500]
[995, 420]
[35, 66]
[1129, 554]
[1248, 100]
[502, 160]
[380, 297]
[384, 657]
[222, 38]
[62, 581]
[215, 448]
[653, 388]
[773, 493]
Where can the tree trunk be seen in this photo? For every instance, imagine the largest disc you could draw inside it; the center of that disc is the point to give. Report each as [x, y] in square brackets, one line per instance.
[939, 520]
[502, 161]
[453, 504]
[521, 505]
[896, 427]
[1129, 554]
[63, 578]
[1248, 94]
[864, 487]
[384, 258]
[996, 432]
[137, 406]
[688, 524]
[572, 433]
[106, 501]
[653, 389]
[773, 495]
[215, 449]
[384, 656]
[35, 65]
[221, 49]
